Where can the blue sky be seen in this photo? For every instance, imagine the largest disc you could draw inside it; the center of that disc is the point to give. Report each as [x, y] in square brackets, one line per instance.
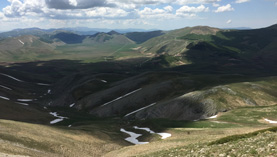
[144, 14]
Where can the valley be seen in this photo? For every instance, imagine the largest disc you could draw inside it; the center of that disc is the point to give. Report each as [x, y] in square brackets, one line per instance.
[173, 92]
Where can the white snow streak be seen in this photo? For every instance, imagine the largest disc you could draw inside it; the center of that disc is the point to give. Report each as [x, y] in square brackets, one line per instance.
[5, 98]
[164, 135]
[5, 87]
[72, 105]
[104, 81]
[25, 100]
[121, 97]
[22, 103]
[21, 42]
[43, 84]
[212, 117]
[133, 137]
[60, 118]
[139, 109]
[271, 121]
[146, 129]
[11, 77]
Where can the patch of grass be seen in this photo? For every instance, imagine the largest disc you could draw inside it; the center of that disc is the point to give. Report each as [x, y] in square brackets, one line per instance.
[239, 137]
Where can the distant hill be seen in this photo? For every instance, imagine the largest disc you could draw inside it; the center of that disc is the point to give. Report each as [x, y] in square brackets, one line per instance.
[69, 38]
[140, 37]
[27, 47]
[20, 32]
[111, 37]
[171, 41]
[204, 44]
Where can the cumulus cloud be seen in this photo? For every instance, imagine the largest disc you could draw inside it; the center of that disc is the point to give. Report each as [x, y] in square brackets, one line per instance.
[156, 13]
[216, 5]
[168, 8]
[106, 12]
[241, 1]
[229, 21]
[1, 15]
[187, 9]
[18, 8]
[145, 11]
[224, 8]
[74, 4]
[184, 2]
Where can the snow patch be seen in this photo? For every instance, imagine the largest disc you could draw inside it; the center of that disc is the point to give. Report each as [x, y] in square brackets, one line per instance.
[164, 135]
[25, 100]
[21, 42]
[212, 117]
[133, 137]
[5, 87]
[121, 97]
[146, 129]
[72, 105]
[5, 98]
[25, 104]
[60, 118]
[139, 109]
[11, 77]
[104, 81]
[43, 84]
[271, 121]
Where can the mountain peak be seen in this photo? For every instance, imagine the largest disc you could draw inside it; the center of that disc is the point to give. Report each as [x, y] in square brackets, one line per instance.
[113, 33]
[204, 30]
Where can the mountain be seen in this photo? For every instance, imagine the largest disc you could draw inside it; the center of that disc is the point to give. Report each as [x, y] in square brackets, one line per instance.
[239, 28]
[69, 38]
[171, 41]
[25, 47]
[111, 37]
[140, 37]
[20, 32]
[195, 88]
[205, 44]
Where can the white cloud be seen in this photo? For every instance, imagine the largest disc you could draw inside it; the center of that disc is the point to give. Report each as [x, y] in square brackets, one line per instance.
[225, 8]
[17, 8]
[241, 1]
[106, 12]
[229, 21]
[73, 2]
[168, 8]
[186, 15]
[184, 2]
[187, 9]
[216, 5]
[1, 15]
[156, 13]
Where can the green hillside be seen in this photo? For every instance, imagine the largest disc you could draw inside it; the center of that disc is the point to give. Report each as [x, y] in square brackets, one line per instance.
[72, 95]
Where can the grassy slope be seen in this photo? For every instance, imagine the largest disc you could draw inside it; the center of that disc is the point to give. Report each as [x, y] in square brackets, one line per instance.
[88, 139]
[188, 136]
[261, 144]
